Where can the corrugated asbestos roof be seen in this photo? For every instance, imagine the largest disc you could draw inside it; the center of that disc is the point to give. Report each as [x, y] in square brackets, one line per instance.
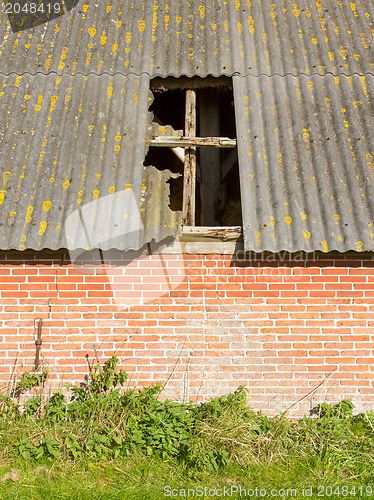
[163, 37]
[306, 155]
[74, 121]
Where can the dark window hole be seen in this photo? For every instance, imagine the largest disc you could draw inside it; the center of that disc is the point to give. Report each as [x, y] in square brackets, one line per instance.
[168, 108]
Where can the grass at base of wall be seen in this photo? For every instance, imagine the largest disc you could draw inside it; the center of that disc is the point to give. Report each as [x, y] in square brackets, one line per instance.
[104, 443]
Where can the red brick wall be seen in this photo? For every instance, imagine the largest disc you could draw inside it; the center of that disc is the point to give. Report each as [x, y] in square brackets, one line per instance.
[278, 324]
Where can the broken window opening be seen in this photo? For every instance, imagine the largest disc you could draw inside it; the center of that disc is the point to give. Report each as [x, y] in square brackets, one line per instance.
[168, 107]
[194, 134]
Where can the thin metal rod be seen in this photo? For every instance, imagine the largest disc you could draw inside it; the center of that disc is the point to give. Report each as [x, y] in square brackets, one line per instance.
[97, 358]
[38, 344]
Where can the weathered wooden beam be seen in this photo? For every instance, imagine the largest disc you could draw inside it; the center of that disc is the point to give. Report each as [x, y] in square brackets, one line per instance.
[222, 233]
[192, 142]
[189, 184]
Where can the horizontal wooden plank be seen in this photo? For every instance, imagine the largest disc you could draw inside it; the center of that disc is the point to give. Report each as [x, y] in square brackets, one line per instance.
[222, 233]
[192, 142]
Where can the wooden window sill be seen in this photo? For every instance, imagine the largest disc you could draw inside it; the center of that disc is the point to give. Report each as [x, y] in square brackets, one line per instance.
[217, 233]
[211, 240]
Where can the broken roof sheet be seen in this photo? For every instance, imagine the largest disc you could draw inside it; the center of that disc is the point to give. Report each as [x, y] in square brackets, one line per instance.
[216, 37]
[306, 155]
[65, 142]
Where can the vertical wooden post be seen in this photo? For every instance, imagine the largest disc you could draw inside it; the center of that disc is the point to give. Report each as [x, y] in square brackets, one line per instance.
[189, 186]
[209, 122]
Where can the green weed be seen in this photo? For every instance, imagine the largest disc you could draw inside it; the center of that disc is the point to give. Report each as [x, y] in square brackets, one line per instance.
[131, 433]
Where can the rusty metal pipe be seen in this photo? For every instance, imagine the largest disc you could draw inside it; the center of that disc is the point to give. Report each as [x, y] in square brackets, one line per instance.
[38, 344]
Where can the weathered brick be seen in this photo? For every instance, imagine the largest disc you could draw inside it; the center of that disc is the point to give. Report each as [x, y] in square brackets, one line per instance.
[273, 325]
